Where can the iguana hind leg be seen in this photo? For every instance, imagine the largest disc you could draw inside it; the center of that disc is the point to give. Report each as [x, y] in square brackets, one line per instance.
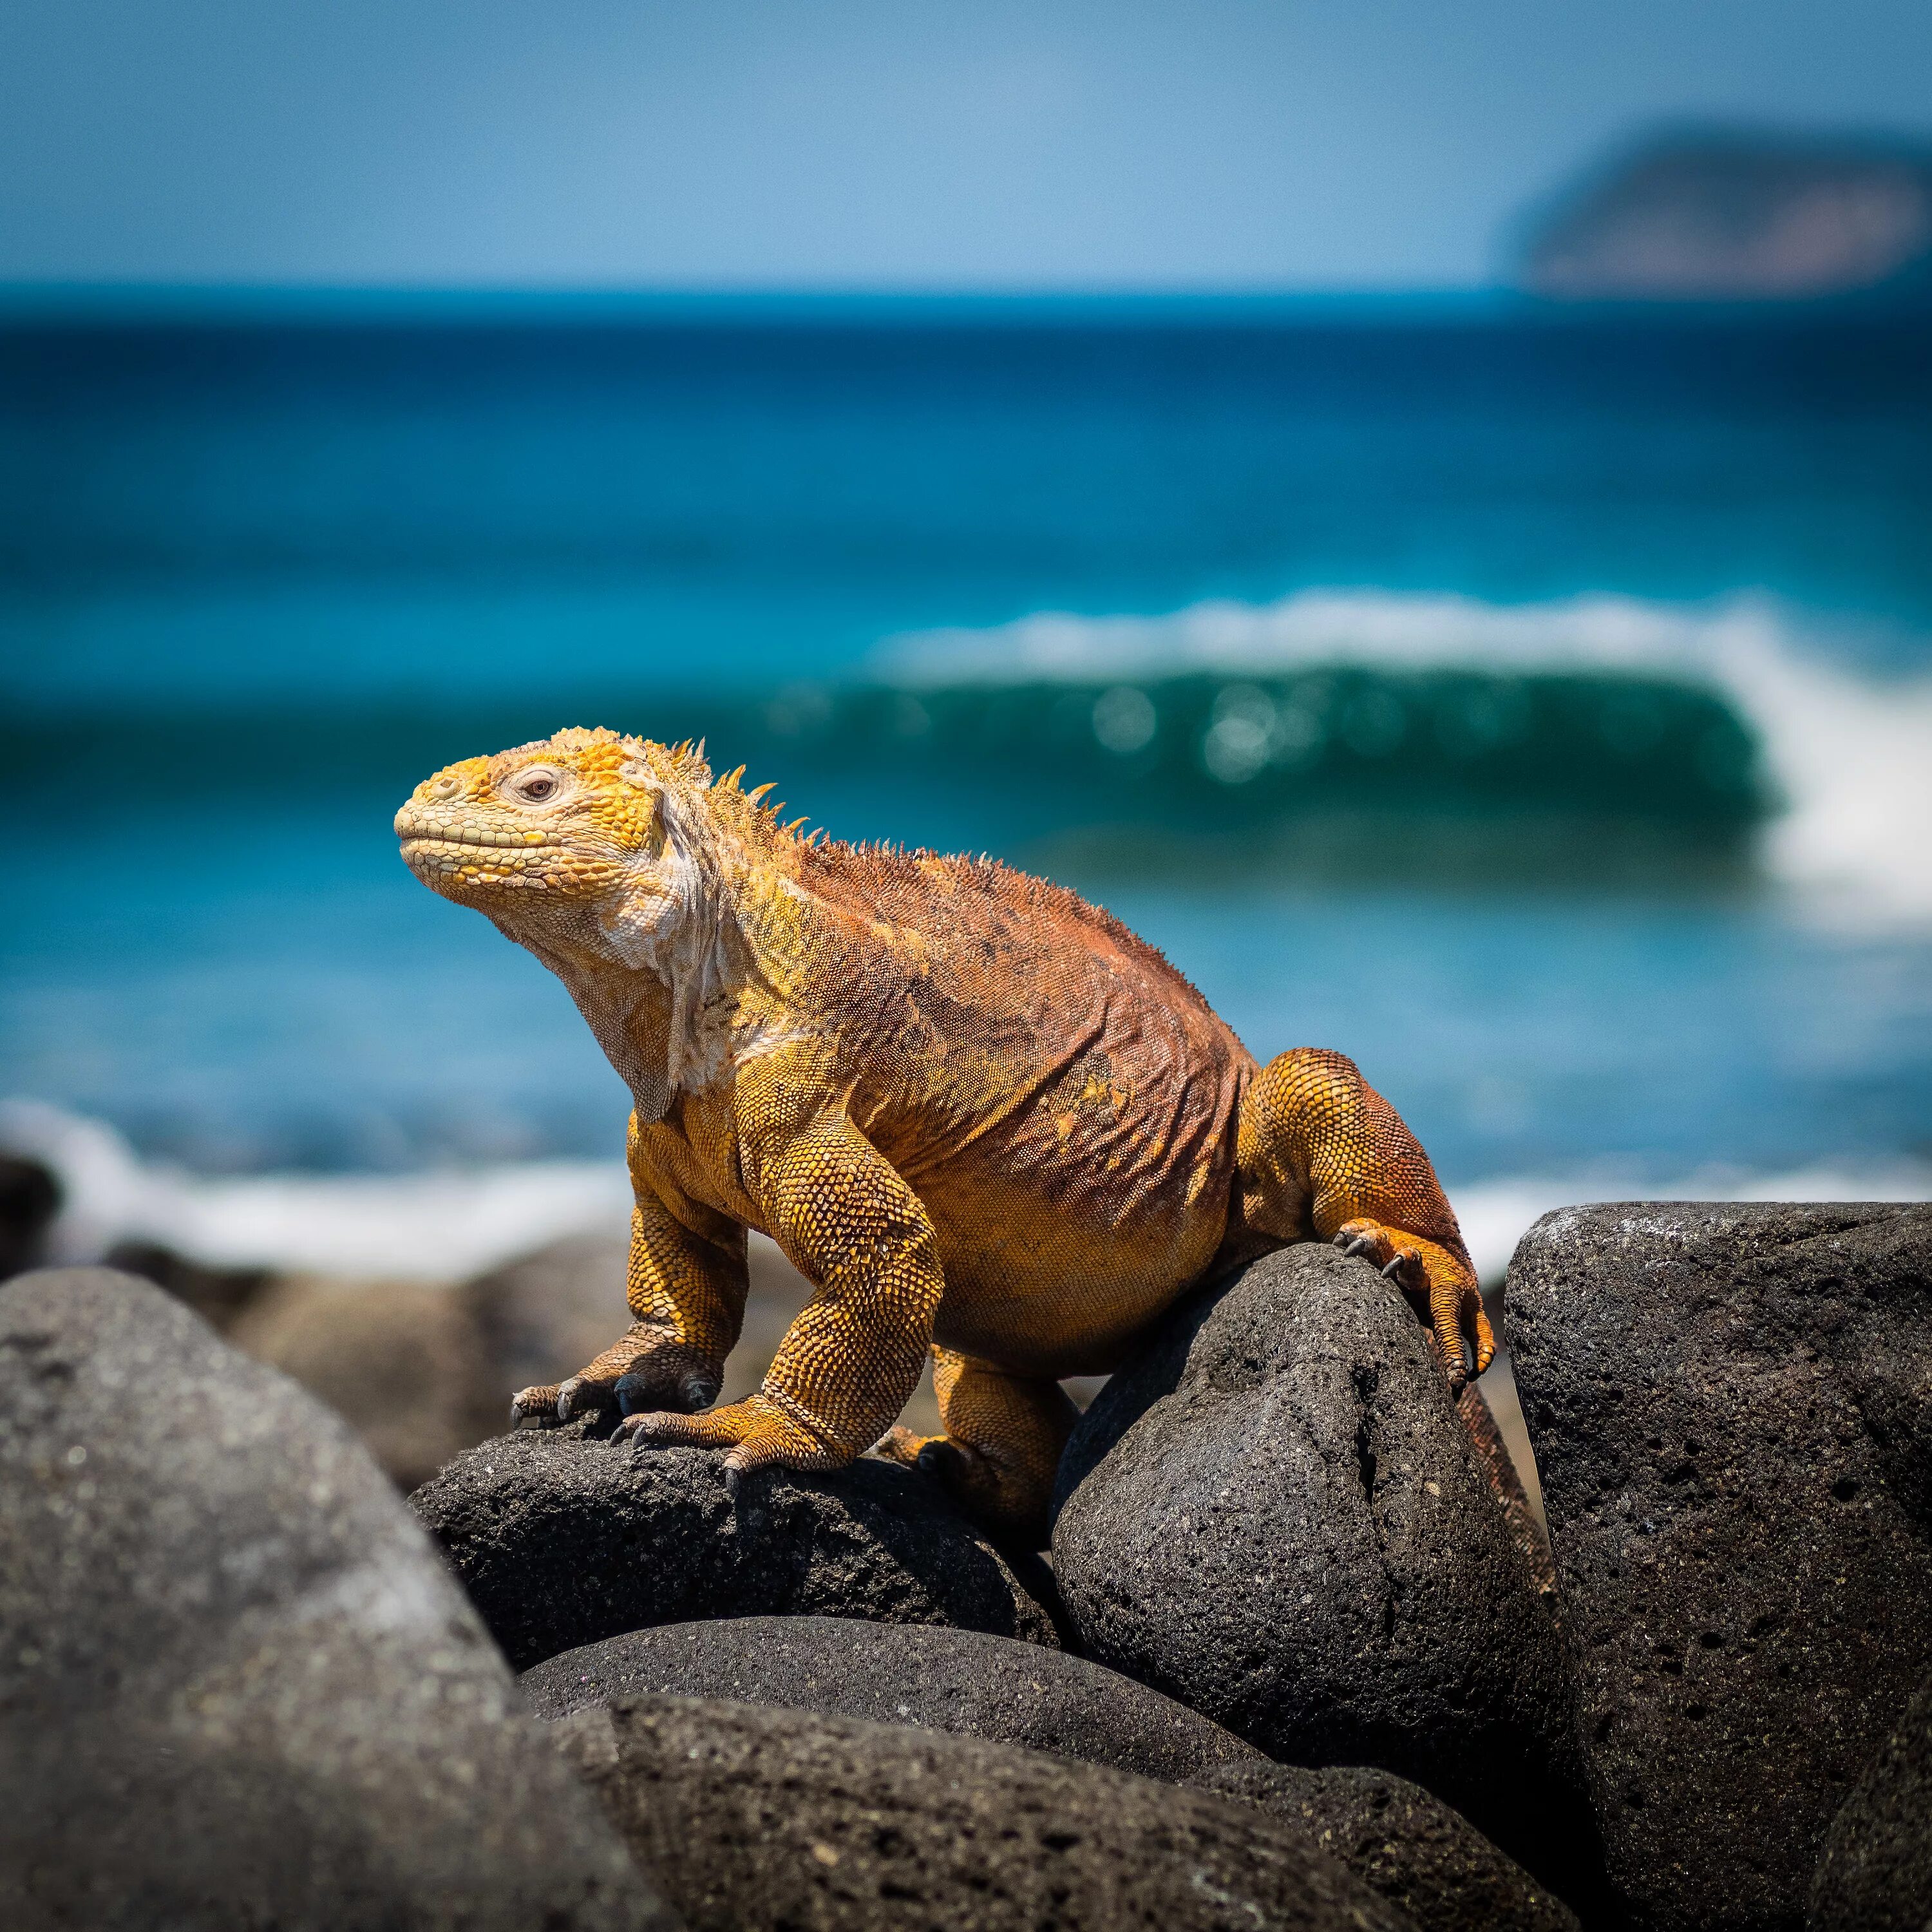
[1322, 1154]
[1001, 1447]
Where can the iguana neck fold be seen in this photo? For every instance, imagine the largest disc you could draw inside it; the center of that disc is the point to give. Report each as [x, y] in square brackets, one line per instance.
[667, 968]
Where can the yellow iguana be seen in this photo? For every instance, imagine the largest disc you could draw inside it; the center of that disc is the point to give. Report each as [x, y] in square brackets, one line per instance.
[979, 1115]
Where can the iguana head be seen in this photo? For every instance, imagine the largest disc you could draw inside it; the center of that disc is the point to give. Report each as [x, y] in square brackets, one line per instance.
[582, 838]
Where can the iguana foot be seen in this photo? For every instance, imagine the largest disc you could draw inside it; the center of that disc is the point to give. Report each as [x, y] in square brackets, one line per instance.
[754, 1432]
[970, 1481]
[1430, 1275]
[667, 1377]
[958, 1465]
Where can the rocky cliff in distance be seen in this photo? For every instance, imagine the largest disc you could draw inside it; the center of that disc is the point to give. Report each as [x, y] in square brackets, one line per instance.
[1718, 216]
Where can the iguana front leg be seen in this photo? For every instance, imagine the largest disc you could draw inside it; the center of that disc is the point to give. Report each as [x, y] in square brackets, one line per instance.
[1320, 1150]
[850, 1362]
[686, 1291]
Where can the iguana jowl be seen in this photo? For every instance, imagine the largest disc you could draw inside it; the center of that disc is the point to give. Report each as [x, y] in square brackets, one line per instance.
[979, 1115]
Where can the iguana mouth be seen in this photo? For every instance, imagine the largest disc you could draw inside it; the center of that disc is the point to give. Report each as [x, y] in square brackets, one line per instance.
[477, 840]
[415, 831]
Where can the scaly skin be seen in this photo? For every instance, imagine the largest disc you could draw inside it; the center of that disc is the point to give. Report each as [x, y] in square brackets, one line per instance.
[980, 1115]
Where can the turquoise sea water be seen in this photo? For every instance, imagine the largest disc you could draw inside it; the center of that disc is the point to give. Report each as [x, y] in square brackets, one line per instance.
[1537, 707]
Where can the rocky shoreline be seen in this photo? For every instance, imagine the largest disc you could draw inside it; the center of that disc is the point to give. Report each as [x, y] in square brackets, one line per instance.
[1298, 1655]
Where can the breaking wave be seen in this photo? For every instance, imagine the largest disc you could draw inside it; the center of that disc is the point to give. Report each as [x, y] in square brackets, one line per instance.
[1844, 754]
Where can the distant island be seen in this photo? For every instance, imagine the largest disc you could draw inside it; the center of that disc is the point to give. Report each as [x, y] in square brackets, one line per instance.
[1718, 216]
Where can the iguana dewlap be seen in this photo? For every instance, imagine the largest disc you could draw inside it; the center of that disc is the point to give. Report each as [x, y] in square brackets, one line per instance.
[979, 1115]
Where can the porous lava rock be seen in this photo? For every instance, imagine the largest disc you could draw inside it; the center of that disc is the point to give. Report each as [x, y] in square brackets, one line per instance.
[757, 1819]
[237, 1687]
[1875, 1874]
[1401, 1842]
[960, 1681]
[1409, 1846]
[1275, 1515]
[563, 1538]
[1731, 1410]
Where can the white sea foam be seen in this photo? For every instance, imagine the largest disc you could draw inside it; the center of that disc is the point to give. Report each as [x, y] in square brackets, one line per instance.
[446, 1226]
[438, 1226]
[1849, 752]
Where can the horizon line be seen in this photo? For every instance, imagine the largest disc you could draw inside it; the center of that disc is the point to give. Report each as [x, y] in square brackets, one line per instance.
[50, 303]
[53, 294]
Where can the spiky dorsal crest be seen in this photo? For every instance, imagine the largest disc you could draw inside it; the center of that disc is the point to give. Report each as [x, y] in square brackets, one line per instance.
[577, 738]
[681, 764]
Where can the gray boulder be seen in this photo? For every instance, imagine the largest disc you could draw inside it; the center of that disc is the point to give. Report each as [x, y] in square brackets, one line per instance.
[1401, 1842]
[1276, 1516]
[760, 1818]
[960, 1681]
[1875, 1874]
[1732, 1408]
[236, 1686]
[1408, 1846]
[563, 1538]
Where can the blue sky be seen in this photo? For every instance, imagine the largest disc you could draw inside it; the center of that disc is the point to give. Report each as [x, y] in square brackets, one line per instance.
[951, 144]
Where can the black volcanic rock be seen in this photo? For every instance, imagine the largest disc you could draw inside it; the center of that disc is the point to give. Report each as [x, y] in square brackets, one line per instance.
[1731, 1409]
[1277, 1516]
[562, 1539]
[960, 1681]
[237, 1688]
[767, 1820]
[1408, 1846]
[1875, 1874]
[1401, 1842]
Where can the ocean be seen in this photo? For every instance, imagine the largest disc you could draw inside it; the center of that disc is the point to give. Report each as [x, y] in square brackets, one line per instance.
[1536, 705]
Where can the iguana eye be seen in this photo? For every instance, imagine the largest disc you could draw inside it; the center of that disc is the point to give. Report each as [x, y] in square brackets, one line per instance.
[535, 785]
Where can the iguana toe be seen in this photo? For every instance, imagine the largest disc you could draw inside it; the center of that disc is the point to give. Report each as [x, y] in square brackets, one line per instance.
[1486, 1337]
[1445, 1312]
[1406, 1270]
[581, 1397]
[901, 1445]
[534, 1407]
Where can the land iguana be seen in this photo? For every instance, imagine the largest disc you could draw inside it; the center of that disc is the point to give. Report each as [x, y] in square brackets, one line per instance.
[979, 1115]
